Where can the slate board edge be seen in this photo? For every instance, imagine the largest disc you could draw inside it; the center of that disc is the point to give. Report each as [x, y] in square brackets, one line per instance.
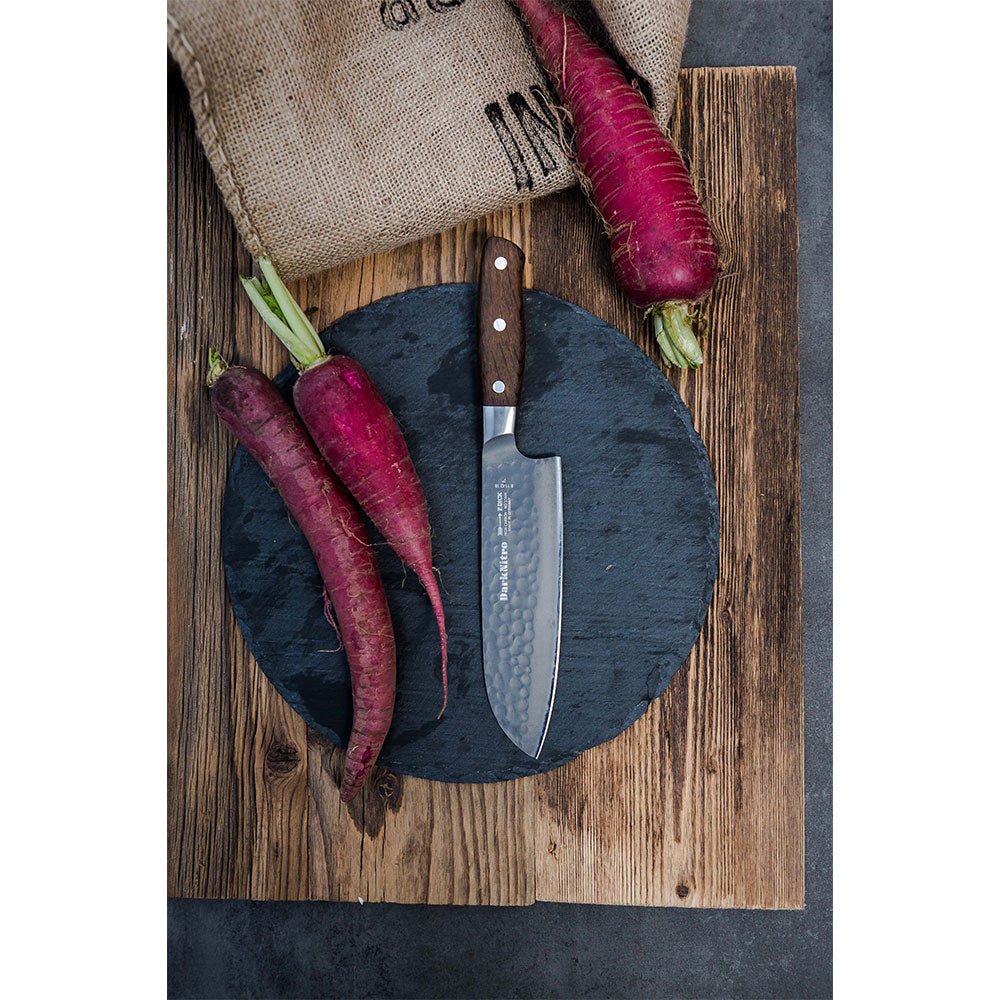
[658, 679]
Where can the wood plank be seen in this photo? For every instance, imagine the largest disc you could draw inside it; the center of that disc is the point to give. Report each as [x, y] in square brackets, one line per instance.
[254, 807]
[701, 802]
[407, 840]
[236, 763]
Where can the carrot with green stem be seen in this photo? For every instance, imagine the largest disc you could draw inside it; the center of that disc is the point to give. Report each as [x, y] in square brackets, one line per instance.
[358, 436]
[663, 252]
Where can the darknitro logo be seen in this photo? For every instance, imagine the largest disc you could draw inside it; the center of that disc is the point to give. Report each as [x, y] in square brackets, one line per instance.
[399, 14]
[539, 131]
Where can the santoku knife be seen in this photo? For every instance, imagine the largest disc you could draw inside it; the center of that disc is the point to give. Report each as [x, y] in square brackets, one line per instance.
[522, 526]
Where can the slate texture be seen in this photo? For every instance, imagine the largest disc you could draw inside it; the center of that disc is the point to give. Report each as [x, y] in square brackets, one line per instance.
[641, 535]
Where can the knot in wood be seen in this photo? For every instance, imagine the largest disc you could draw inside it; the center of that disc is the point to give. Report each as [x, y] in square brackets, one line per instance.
[281, 758]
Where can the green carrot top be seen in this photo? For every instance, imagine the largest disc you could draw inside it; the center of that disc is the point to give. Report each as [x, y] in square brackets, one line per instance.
[284, 316]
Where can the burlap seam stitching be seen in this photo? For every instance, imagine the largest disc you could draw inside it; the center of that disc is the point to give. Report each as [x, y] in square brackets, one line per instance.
[183, 52]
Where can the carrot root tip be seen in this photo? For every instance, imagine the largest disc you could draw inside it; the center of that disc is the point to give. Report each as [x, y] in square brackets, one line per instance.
[674, 329]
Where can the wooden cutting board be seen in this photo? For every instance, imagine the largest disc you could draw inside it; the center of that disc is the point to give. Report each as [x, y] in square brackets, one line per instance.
[700, 803]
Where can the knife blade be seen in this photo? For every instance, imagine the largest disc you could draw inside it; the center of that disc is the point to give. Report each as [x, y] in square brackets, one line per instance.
[521, 521]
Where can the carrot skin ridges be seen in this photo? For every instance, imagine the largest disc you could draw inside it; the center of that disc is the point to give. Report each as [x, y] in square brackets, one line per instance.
[663, 251]
[357, 434]
[248, 403]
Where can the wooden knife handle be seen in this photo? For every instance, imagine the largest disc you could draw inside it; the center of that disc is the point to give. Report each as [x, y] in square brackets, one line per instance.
[501, 322]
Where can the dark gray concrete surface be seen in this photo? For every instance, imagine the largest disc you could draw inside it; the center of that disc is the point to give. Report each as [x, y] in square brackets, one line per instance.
[246, 949]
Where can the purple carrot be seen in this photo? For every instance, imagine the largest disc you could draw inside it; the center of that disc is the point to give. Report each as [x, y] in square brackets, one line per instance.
[358, 435]
[247, 402]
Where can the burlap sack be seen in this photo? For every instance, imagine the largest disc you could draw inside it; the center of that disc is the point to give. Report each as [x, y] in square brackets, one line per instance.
[337, 128]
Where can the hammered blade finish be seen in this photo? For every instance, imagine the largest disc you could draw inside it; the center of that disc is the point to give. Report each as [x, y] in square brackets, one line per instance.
[521, 588]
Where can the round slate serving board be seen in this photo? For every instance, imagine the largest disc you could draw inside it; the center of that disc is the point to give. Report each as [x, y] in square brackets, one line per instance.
[641, 533]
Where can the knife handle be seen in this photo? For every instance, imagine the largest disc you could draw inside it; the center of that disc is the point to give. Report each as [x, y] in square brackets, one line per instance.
[501, 322]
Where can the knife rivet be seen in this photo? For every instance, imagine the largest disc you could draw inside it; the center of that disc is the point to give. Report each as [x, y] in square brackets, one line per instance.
[500, 263]
[499, 325]
[498, 386]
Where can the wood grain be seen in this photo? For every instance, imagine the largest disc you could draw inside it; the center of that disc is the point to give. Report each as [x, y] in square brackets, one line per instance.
[501, 352]
[700, 802]
[237, 753]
